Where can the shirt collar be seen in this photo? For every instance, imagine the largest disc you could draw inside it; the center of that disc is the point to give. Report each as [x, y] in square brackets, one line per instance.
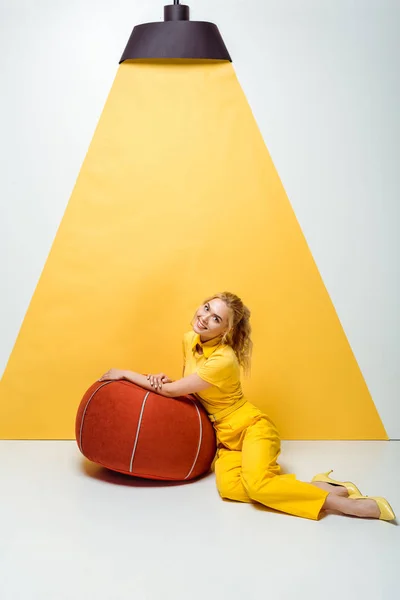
[207, 347]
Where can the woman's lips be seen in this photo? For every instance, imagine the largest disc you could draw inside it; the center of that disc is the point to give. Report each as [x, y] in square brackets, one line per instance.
[200, 325]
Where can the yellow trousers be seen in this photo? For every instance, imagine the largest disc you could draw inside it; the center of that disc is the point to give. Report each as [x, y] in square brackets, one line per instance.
[246, 467]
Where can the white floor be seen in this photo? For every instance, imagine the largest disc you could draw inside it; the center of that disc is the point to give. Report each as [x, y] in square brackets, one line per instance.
[70, 530]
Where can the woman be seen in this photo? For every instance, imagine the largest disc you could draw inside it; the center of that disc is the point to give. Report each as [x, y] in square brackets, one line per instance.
[248, 442]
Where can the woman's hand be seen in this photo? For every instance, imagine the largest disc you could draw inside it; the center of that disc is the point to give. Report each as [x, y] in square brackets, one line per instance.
[113, 375]
[156, 381]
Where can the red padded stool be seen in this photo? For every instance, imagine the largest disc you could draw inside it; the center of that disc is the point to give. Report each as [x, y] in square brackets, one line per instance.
[125, 428]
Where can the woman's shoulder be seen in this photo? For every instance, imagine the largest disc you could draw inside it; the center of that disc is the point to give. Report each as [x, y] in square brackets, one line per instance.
[188, 339]
[189, 336]
[226, 354]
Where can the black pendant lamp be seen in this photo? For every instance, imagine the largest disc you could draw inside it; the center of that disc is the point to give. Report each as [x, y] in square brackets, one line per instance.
[176, 37]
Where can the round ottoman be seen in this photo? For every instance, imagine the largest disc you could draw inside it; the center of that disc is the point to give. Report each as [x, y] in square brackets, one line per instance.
[125, 428]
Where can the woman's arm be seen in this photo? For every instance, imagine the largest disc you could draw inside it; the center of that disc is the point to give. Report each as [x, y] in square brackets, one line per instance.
[187, 385]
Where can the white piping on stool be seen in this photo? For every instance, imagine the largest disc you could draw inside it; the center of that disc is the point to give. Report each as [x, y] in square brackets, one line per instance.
[138, 431]
[200, 439]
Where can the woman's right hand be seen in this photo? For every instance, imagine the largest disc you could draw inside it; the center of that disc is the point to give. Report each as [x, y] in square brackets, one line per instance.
[157, 381]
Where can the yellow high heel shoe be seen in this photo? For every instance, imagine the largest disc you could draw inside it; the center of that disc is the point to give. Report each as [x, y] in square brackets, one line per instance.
[324, 478]
[387, 513]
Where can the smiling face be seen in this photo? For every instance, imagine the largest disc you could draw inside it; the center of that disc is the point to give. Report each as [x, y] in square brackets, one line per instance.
[212, 319]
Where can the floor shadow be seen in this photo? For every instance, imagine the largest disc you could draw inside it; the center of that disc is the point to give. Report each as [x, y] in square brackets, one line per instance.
[101, 473]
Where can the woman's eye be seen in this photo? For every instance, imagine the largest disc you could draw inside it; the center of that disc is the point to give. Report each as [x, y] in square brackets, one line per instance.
[206, 307]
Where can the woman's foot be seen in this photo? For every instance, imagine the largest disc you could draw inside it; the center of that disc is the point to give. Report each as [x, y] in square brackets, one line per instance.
[336, 490]
[356, 507]
[366, 508]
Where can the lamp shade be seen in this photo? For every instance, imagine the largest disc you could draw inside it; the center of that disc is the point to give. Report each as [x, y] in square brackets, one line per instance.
[176, 37]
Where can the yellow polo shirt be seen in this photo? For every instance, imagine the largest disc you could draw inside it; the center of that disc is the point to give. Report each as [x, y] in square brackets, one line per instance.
[218, 365]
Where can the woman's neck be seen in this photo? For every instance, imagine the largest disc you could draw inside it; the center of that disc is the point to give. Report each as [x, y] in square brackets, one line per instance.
[217, 338]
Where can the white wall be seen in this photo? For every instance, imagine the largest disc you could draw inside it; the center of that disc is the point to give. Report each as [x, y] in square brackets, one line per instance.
[323, 80]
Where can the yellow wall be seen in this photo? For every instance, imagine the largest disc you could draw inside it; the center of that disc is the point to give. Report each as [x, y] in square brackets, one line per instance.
[178, 198]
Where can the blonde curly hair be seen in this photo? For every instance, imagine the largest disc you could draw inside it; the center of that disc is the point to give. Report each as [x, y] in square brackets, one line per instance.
[238, 335]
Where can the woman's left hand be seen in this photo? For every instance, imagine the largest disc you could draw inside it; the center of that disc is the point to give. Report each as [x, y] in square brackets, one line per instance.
[113, 375]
